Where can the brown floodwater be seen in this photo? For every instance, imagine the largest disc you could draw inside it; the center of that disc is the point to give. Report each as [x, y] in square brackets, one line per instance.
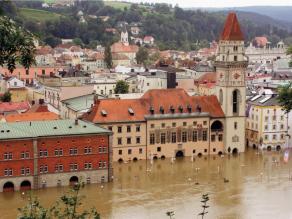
[258, 187]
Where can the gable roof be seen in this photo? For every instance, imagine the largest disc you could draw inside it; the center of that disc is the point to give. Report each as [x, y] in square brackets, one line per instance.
[16, 130]
[232, 31]
[37, 116]
[9, 107]
[117, 110]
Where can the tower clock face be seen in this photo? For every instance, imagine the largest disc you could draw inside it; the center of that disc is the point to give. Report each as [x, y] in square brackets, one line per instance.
[236, 75]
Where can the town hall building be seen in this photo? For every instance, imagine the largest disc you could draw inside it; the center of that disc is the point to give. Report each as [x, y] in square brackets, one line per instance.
[167, 123]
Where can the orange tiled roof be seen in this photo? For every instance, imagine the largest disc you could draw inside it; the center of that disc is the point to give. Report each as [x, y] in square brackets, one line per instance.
[117, 110]
[38, 108]
[208, 77]
[232, 29]
[121, 48]
[37, 116]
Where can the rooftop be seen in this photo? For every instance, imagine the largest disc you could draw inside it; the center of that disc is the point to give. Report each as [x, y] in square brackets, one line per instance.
[35, 129]
[36, 116]
[232, 31]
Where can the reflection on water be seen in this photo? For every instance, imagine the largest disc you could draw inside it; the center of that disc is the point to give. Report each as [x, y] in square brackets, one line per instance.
[255, 186]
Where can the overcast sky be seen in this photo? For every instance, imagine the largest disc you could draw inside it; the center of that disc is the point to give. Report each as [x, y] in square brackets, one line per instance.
[220, 3]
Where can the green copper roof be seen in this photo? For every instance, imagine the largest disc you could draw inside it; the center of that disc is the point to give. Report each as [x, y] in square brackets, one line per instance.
[80, 103]
[34, 129]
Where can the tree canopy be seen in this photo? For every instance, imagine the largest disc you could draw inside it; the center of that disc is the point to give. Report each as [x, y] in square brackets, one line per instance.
[142, 55]
[108, 57]
[122, 87]
[285, 97]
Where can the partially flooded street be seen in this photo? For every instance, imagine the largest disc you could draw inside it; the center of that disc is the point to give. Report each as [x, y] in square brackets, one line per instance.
[249, 185]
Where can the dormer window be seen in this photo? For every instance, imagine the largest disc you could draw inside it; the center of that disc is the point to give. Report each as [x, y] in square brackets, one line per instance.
[180, 109]
[151, 110]
[161, 109]
[103, 113]
[198, 108]
[171, 109]
[131, 111]
[189, 108]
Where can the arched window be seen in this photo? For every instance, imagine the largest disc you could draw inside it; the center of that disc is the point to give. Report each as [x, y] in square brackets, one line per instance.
[221, 96]
[235, 101]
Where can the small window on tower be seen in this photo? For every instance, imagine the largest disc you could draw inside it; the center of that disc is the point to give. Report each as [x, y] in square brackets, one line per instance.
[235, 58]
[235, 48]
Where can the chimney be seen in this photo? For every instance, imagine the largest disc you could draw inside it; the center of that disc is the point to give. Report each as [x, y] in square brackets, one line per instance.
[76, 121]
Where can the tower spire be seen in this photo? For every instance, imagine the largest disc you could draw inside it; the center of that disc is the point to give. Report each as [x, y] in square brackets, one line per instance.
[232, 31]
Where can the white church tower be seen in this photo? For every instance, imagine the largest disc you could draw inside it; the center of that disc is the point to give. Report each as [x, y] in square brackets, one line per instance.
[125, 36]
[230, 88]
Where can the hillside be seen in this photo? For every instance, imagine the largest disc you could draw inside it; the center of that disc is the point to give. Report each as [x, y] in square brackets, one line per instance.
[38, 15]
[172, 27]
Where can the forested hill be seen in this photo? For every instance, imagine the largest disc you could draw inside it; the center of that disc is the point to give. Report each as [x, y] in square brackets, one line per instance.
[172, 28]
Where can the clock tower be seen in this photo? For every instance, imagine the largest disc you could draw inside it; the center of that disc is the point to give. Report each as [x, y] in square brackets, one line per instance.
[230, 87]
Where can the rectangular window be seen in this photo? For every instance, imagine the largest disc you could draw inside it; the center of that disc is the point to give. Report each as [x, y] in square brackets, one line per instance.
[129, 140]
[235, 125]
[274, 127]
[119, 129]
[195, 136]
[235, 58]
[128, 128]
[22, 171]
[110, 128]
[140, 150]
[129, 151]
[152, 138]
[184, 136]
[274, 137]
[152, 126]
[220, 137]
[205, 133]
[162, 138]
[8, 172]
[163, 125]
[184, 123]
[205, 123]
[194, 123]
[119, 141]
[173, 124]
[120, 152]
[56, 152]
[158, 149]
[138, 139]
[213, 137]
[266, 137]
[8, 156]
[27, 171]
[138, 128]
[173, 137]
[266, 127]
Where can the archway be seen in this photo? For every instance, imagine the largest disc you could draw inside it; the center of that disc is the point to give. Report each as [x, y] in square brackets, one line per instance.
[8, 187]
[135, 159]
[120, 160]
[220, 153]
[216, 126]
[179, 154]
[269, 148]
[199, 154]
[254, 146]
[25, 185]
[278, 148]
[73, 180]
[162, 157]
[235, 151]
[155, 158]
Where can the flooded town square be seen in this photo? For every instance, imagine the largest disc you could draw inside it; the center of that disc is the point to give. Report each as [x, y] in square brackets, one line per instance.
[249, 185]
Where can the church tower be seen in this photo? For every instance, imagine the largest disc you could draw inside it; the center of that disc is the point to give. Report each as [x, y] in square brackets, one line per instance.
[230, 88]
[125, 36]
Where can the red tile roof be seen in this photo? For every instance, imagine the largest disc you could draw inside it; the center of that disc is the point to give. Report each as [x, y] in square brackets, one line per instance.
[38, 116]
[121, 48]
[117, 110]
[232, 29]
[38, 108]
[9, 107]
[207, 78]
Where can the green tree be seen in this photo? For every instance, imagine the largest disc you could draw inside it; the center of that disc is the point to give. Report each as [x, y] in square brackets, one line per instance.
[289, 50]
[285, 97]
[108, 57]
[6, 97]
[16, 45]
[65, 208]
[122, 87]
[78, 42]
[142, 56]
